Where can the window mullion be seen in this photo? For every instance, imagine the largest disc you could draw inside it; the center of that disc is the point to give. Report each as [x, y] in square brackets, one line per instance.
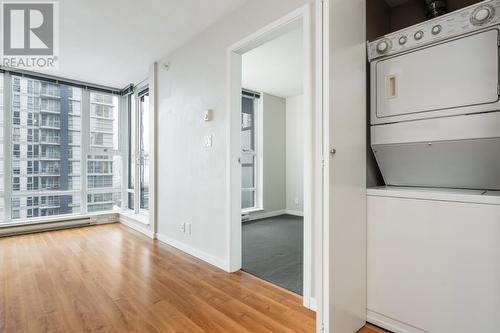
[124, 104]
[85, 147]
[7, 101]
[137, 143]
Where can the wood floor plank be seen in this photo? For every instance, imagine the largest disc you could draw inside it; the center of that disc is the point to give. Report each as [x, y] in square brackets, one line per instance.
[111, 279]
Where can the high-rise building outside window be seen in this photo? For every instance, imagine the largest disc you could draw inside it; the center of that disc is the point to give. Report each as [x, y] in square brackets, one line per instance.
[104, 175]
[47, 166]
[40, 123]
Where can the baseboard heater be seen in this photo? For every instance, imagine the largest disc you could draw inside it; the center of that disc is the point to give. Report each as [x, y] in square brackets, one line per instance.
[21, 229]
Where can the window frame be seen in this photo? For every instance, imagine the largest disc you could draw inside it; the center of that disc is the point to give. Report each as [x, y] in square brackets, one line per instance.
[257, 153]
[134, 104]
[7, 195]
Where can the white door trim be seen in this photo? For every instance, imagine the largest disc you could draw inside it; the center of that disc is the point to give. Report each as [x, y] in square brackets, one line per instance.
[298, 17]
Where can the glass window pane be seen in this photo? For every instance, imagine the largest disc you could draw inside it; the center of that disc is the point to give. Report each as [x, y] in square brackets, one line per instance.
[144, 150]
[248, 149]
[131, 200]
[131, 145]
[103, 168]
[103, 182]
[46, 145]
[103, 121]
[247, 171]
[248, 124]
[247, 199]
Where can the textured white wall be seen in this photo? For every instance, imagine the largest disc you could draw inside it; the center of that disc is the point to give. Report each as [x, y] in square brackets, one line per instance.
[295, 153]
[192, 178]
[274, 153]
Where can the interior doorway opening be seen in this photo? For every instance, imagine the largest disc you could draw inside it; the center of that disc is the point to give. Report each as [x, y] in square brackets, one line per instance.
[272, 159]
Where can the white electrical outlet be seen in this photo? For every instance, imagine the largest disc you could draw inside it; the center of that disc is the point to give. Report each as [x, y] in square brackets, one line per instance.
[188, 228]
[183, 227]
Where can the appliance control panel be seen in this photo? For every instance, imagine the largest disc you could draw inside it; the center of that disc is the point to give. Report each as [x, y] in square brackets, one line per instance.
[469, 19]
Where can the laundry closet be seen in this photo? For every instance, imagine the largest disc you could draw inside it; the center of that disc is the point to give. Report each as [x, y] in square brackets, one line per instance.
[433, 201]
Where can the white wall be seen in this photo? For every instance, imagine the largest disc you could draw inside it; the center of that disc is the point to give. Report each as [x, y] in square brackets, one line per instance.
[274, 153]
[192, 178]
[295, 154]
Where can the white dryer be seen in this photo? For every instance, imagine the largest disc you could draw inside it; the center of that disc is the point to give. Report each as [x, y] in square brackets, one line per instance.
[435, 105]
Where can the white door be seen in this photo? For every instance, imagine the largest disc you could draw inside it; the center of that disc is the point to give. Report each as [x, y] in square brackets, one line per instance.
[345, 171]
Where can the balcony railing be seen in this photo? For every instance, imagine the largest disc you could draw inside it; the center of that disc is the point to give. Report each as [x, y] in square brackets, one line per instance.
[48, 141]
[50, 124]
[50, 156]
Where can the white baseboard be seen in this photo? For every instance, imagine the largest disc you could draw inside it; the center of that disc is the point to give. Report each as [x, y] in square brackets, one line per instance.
[217, 262]
[310, 303]
[53, 223]
[390, 324]
[106, 219]
[294, 212]
[265, 215]
[137, 226]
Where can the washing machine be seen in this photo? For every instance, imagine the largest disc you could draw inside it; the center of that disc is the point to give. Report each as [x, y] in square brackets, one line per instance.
[435, 101]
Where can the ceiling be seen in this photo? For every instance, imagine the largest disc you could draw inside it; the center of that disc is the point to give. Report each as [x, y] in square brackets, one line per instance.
[276, 67]
[395, 3]
[113, 42]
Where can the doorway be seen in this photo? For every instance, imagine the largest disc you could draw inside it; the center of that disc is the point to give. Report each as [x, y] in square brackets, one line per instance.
[272, 161]
[270, 223]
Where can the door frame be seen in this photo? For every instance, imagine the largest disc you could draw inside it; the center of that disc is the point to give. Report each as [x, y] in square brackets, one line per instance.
[299, 17]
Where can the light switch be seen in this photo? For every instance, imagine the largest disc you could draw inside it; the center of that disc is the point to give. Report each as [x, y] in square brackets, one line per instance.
[208, 141]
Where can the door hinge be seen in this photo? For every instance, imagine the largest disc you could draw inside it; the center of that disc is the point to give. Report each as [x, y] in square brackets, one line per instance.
[498, 40]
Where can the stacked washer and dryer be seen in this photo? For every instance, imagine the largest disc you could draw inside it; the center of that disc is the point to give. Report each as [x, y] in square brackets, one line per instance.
[434, 230]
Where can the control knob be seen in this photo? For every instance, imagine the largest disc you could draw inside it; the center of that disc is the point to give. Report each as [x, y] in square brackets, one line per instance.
[418, 35]
[482, 15]
[436, 29]
[383, 46]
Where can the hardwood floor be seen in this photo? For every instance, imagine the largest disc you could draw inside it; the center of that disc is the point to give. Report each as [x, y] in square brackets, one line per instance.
[111, 279]
[372, 329]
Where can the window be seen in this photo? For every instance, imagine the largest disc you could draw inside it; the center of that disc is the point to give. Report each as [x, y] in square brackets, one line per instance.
[16, 134]
[132, 163]
[16, 167]
[104, 164]
[16, 151]
[249, 152]
[144, 150]
[46, 144]
[44, 141]
[16, 184]
[33, 151]
[139, 152]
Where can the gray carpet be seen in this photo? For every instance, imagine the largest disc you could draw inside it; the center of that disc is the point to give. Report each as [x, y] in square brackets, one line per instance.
[273, 250]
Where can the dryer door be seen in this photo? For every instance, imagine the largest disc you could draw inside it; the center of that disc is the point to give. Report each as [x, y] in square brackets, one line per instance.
[459, 76]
